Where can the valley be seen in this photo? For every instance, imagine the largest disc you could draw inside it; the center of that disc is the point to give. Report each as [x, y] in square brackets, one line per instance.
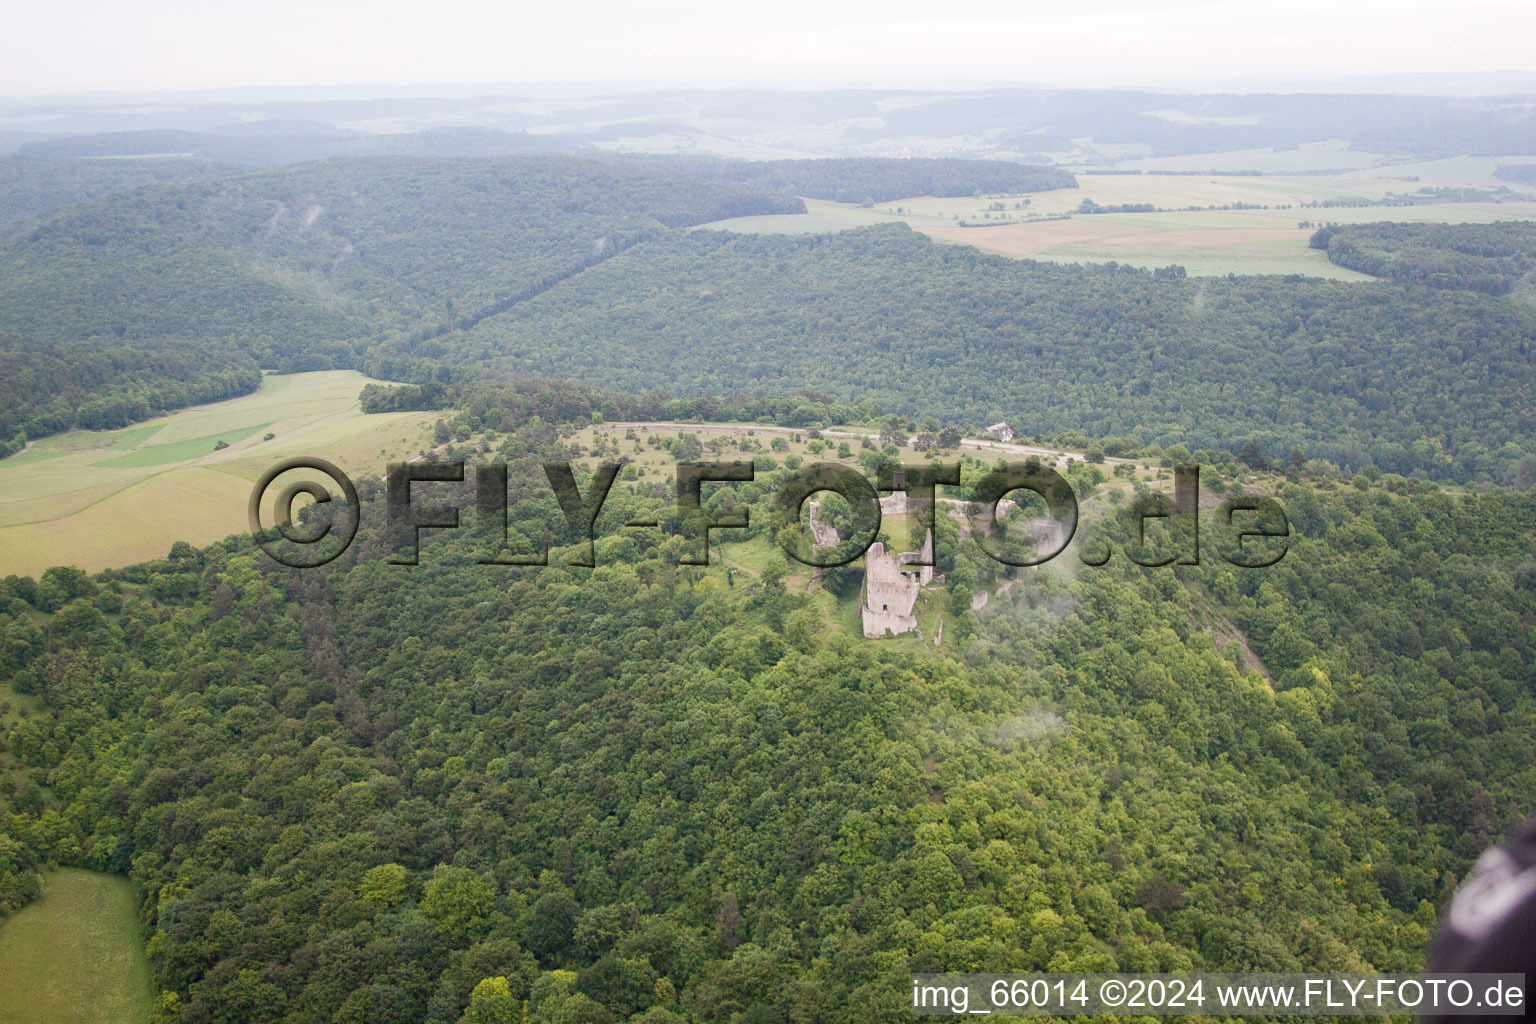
[481, 786]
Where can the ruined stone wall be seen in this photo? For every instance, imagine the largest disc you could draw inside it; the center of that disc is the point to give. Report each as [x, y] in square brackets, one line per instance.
[917, 558]
[889, 594]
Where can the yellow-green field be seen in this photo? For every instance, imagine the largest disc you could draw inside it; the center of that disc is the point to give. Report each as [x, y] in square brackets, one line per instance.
[97, 499]
[1206, 242]
[75, 956]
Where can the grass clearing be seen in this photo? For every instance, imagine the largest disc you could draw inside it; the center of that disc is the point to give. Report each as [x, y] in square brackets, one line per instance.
[97, 499]
[749, 557]
[753, 555]
[181, 451]
[76, 955]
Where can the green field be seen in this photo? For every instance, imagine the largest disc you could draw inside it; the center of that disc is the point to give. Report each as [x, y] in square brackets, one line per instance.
[98, 499]
[1207, 241]
[182, 451]
[76, 955]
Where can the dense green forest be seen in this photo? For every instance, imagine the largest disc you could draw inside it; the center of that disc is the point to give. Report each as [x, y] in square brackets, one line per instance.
[1489, 258]
[583, 269]
[33, 186]
[1406, 380]
[295, 263]
[50, 387]
[645, 791]
[564, 402]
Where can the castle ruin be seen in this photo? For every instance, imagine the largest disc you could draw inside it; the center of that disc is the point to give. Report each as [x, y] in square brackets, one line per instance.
[890, 591]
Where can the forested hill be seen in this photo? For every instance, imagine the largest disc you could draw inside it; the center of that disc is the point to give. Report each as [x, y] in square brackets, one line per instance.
[306, 266]
[31, 186]
[49, 387]
[294, 263]
[278, 142]
[1355, 373]
[1489, 258]
[48, 174]
[854, 180]
[362, 793]
[586, 270]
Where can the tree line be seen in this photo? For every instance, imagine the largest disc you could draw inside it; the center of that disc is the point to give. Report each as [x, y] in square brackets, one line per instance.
[1488, 258]
[48, 387]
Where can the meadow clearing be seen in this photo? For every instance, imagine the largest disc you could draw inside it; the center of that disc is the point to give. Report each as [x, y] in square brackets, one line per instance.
[97, 499]
[752, 440]
[654, 465]
[76, 955]
[842, 444]
[1206, 242]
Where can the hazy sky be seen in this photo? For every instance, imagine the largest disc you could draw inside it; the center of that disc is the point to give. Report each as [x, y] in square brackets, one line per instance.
[91, 45]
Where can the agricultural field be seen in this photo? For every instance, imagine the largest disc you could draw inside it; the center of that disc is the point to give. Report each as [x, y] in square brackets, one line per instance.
[97, 499]
[76, 955]
[1205, 241]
